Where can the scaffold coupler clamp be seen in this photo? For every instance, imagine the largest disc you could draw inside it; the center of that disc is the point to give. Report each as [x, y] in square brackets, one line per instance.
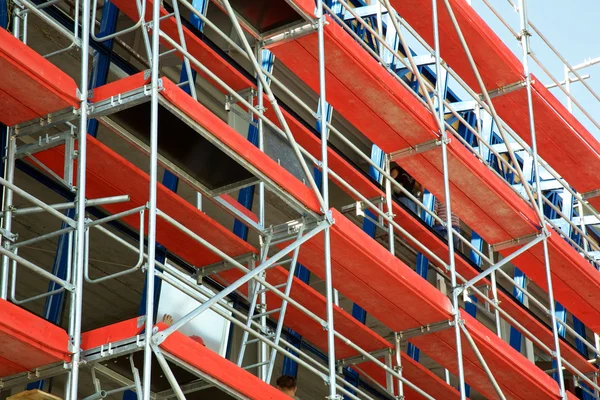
[157, 337]
[545, 231]
[328, 218]
[465, 293]
[523, 32]
[322, 20]
[336, 397]
[397, 339]
[459, 289]
[324, 325]
[31, 375]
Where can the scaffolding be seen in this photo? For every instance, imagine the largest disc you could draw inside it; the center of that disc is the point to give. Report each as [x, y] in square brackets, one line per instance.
[526, 199]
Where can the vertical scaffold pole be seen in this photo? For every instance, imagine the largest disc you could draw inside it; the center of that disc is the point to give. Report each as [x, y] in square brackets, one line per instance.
[262, 346]
[152, 200]
[325, 192]
[75, 313]
[4, 140]
[451, 263]
[525, 45]
[7, 196]
[9, 173]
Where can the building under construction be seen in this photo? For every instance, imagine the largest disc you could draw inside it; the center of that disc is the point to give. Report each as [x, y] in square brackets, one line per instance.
[378, 198]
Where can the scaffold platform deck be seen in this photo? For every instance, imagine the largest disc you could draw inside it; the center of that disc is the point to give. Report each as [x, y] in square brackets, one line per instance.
[31, 89]
[28, 342]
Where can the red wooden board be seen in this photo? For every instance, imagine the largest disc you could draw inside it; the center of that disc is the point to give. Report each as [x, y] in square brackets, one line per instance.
[575, 281]
[31, 86]
[191, 352]
[427, 381]
[219, 368]
[239, 145]
[112, 333]
[371, 276]
[518, 377]
[563, 142]
[28, 341]
[109, 174]
[310, 330]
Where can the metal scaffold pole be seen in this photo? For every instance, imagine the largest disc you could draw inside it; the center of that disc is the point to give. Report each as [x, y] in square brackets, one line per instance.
[150, 272]
[524, 37]
[447, 200]
[325, 192]
[7, 197]
[7, 206]
[80, 248]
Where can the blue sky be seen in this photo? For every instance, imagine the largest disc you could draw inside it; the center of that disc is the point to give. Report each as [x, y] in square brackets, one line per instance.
[573, 27]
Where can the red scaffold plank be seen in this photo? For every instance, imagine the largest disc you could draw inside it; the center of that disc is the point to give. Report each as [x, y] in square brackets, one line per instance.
[427, 381]
[191, 352]
[562, 140]
[518, 377]
[31, 86]
[120, 86]
[238, 144]
[112, 333]
[219, 368]
[577, 291]
[28, 341]
[371, 276]
[496, 62]
[109, 174]
[310, 330]
[479, 197]
[394, 305]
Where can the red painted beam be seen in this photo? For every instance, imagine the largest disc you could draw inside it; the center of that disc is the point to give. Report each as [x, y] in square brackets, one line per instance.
[31, 86]
[27, 341]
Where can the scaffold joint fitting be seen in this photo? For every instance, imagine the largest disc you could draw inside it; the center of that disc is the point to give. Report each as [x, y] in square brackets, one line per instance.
[158, 338]
[329, 218]
[522, 33]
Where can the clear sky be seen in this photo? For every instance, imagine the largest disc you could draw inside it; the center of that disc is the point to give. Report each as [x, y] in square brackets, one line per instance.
[573, 28]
